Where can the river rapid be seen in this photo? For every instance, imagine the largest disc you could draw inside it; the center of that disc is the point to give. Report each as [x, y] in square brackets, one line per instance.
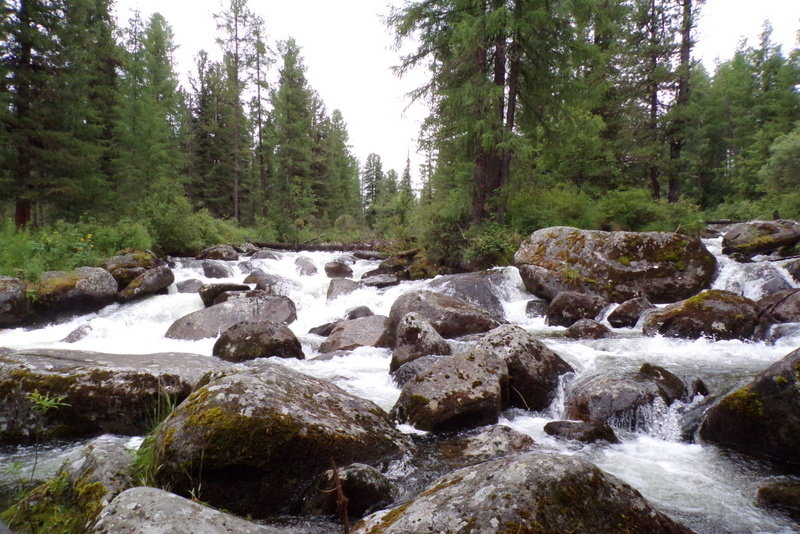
[711, 490]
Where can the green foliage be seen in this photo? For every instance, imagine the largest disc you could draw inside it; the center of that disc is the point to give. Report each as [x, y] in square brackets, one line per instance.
[490, 244]
[562, 205]
[635, 210]
[44, 403]
[50, 507]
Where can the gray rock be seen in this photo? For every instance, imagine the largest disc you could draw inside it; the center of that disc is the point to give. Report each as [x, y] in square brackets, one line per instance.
[13, 301]
[793, 268]
[783, 307]
[336, 269]
[587, 329]
[568, 307]
[531, 492]
[218, 252]
[210, 322]
[148, 283]
[534, 370]
[411, 369]
[628, 313]
[247, 248]
[450, 316]
[365, 488]
[189, 286]
[760, 237]
[271, 283]
[215, 269]
[305, 266]
[78, 334]
[82, 290]
[379, 281]
[357, 313]
[414, 338]
[210, 292]
[255, 440]
[481, 289]
[324, 330]
[372, 331]
[341, 286]
[536, 308]
[266, 255]
[249, 340]
[126, 267]
[782, 496]
[664, 267]
[106, 461]
[587, 432]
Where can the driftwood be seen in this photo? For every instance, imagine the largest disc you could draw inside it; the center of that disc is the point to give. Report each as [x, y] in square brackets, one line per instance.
[767, 243]
[321, 247]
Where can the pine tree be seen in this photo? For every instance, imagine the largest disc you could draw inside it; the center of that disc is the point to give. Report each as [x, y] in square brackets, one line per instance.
[371, 179]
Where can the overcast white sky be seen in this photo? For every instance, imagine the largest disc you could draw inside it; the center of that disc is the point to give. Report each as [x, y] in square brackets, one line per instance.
[348, 54]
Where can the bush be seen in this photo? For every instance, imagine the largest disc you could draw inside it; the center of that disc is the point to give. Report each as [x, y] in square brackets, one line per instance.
[490, 244]
[636, 210]
[561, 205]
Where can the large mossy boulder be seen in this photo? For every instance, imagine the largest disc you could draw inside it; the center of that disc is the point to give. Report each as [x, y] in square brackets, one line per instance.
[82, 290]
[255, 440]
[126, 266]
[534, 370]
[13, 302]
[482, 289]
[218, 252]
[150, 282]
[371, 331]
[102, 393]
[249, 340]
[212, 321]
[664, 267]
[714, 313]
[746, 240]
[762, 417]
[450, 316]
[408, 265]
[534, 492]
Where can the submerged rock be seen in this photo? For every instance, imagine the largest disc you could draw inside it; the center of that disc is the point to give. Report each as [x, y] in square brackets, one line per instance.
[257, 339]
[587, 432]
[450, 316]
[371, 331]
[341, 286]
[305, 267]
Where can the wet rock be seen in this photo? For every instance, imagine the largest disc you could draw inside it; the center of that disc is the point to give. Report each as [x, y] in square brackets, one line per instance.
[13, 302]
[481, 289]
[587, 432]
[257, 339]
[713, 313]
[763, 417]
[126, 267]
[127, 275]
[266, 255]
[758, 280]
[531, 492]
[140, 510]
[189, 286]
[341, 286]
[215, 269]
[379, 281]
[104, 393]
[210, 322]
[781, 496]
[272, 284]
[372, 331]
[568, 307]
[324, 330]
[305, 266]
[783, 307]
[78, 334]
[357, 313]
[663, 267]
[793, 268]
[534, 370]
[411, 369]
[368, 255]
[210, 292]
[463, 391]
[414, 338]
[256, 440]
[450, 316]
[587, 329]
[366, 489]
[148, 283]
[336, 269]
[760, 237]
[82, 290]
[218, 252]
[247, 248]
[779, 331]
[627, 314]
[536, 308]
[407, 265]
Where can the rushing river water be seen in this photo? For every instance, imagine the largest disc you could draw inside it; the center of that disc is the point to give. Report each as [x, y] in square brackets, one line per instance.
[711, 490]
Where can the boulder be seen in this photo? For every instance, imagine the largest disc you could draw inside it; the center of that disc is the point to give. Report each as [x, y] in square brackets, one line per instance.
[324, 330]
[531, 492]
[407, 265]
[152, 510]
[626, 400]
[372, 331]
[305, 266]
[215, 269]
[568, 307]
[746, 240]
[534, 370]
[257, 339]
[266, 255]
[357, 313]
[210, 292]
[218, 252]
[150, 282]
[225, 296]
[255, 440]
[369, 255]
[587, 432]
[210, 322]
[763, 417]
[793, 268]
[783, 307]
[414, 338]
[454, 393]
[482, 289]
[450, 316]
[411, 369]
[536, 308]
[627, 314]
[365, 488]
[337, 269]
[379, 281]
[758, 280]
[271, 283]
[192, 285]
[781, 496]
[587, 329]
[78, 334]
[13, 302]
[341, 286]
[126, 267]
[714, 313]
[247, 248]
[82, 290]
[663, 267]
[103, 393]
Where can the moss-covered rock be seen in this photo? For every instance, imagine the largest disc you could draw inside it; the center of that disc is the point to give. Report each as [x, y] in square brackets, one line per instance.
[745, 240]
[714, 313]
[763, 417]
[257, 339]
[619, 266]
[528, 493]
[150, 282]
[254, 441]
[414, 338]
[218, 252]
[450, 316]
[82, 290]
[569, 307]
[13, 302]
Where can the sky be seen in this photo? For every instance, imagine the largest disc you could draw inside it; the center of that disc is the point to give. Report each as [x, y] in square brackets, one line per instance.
[349, 53]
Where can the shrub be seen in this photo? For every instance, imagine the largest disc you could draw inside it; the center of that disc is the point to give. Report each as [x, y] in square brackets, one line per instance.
[490, 244]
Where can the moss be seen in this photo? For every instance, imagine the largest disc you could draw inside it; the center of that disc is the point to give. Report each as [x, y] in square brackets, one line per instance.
[781, 380]
[698, 301]
[744, 402]
[50, 507]
[624, 260]
[442, 485]
[389, 518]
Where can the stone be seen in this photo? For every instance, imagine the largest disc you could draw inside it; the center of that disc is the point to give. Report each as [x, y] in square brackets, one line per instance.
[627, 314]
[336, 269]
[247, 248]
[357, 313]
[450, 316]
[380, 281]
[663, 267]
[530, 492]
[587, 329]
[781, 496]
[414, 338]
[587, 432]
[482, 289]
[407, 265]
[266, 255]
[748, 239]
[568, 307]
[411, 369]
[365, 488]
[341, 286]
[793, 268]
[713, 313]
[83, 290]
[256, 440]
[257, 339]
[218, 252]
[271, 283]
[763, 417]
[534, 370]
[372, 331]
[783, 307]
[368, 255]
[215, 269]
[13, 302]
[126, 267]
[211, 321]
[192, 285]
[150, 282]
[536, 308]
[324, 330]
[305, 266]
[79, 333]
[210, 292]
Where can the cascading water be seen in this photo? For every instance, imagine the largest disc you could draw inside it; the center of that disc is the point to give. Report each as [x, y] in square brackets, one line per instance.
[709, 489]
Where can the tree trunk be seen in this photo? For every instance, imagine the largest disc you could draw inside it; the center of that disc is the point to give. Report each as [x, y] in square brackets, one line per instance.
[22, 141]
[653, 171]
[677, 139]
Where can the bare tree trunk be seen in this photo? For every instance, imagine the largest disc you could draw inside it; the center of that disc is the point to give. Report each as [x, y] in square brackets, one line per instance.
[677, 139]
